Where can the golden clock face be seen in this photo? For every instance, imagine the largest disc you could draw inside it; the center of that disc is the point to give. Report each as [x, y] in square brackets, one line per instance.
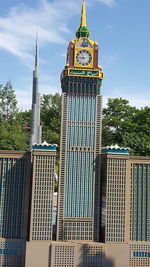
[84, 57]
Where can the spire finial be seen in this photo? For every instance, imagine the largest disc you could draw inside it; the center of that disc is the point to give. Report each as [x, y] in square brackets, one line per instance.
[37, 50]
[83, 30]
[83, 14]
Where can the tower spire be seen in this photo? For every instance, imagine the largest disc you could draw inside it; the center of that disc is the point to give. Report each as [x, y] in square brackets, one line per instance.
[37, 52]
[83, 30]
[36, 129]
[83, 15]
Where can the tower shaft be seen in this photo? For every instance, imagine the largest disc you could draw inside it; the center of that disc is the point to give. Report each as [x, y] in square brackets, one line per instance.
[36, 129]
[79, 180]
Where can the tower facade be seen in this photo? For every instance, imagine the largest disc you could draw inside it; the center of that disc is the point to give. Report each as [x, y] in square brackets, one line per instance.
[79, 179]
[41, 227]
[36, 129]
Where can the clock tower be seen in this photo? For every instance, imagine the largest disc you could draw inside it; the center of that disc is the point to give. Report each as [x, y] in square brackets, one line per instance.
[81, 114]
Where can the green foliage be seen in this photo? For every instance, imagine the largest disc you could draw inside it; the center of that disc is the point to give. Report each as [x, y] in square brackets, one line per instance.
[122, 124]
[127, 126]
[8, 102]
[50, 118]
[15, 125]
[12, 136]
[138, 142]
[24, 117]
[117, 119]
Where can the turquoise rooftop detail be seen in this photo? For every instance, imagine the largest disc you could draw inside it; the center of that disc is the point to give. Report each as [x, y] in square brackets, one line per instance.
[45, 146]
[116, 150]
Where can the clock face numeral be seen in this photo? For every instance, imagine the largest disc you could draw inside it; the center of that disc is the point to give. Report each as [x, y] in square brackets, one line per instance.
[84, 57]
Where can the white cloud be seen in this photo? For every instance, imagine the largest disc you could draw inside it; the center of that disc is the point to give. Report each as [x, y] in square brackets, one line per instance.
[109, 3]
[61, 54]
[24, 95]
[138, 100]
[109, 60]
[135, 99]
[17, 29]
[24, 98]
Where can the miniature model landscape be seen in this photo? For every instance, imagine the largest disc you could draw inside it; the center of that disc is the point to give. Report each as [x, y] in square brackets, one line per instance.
[100, 216]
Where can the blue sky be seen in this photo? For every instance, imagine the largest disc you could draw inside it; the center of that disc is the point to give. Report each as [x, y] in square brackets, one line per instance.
[121, 28]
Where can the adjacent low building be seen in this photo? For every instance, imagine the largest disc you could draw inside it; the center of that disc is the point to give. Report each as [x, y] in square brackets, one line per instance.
[43, 181]
[15, 183]
[41, 213]
[26, 194]
[125, 212]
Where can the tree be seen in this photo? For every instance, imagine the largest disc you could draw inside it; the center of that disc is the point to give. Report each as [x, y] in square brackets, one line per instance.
[122, 124]
[142, 120]
[139, 143]
[117, 120]
[50, 120]
[8, 102]
[24, 117]
[13, 136]
[127, 126]
[139, 139]
[50, 117]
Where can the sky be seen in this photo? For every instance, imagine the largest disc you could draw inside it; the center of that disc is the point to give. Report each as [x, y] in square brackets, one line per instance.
[121, 27]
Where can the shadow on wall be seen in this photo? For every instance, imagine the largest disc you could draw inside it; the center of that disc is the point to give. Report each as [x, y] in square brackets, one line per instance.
[109, 263]
[50, 256]
[93, 256]
[12, 254]
[97, 198]
[14, 175]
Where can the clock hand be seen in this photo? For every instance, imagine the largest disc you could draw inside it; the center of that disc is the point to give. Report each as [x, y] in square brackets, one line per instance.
[82, 57]
[82, 54]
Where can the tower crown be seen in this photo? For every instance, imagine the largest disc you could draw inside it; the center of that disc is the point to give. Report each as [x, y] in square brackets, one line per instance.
[83, 30]
[37, 53]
